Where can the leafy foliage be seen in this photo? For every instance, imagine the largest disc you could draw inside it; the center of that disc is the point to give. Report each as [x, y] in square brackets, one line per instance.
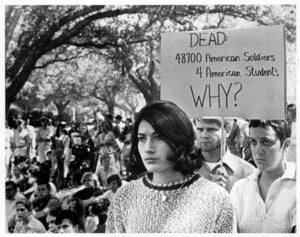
[99, 53]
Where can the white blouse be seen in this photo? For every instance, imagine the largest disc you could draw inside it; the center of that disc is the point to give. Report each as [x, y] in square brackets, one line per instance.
[277, 214]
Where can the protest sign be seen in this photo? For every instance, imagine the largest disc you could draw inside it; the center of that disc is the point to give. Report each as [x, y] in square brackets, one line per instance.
[226, 73]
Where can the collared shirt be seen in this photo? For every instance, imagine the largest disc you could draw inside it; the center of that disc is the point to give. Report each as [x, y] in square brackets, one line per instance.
[277, 214]
[236, 168]
[33, 226]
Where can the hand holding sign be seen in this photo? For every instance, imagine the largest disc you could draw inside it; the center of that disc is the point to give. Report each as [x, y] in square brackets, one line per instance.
[220, 177]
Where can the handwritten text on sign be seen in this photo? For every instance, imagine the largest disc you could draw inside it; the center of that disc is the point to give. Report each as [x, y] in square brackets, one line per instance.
[228, 73]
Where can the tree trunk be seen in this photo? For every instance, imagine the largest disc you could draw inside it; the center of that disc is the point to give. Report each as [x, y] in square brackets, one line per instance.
[111, 109]
[152, 94]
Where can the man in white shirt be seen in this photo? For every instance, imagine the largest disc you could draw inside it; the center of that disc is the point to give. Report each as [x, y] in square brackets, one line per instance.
[209, 135]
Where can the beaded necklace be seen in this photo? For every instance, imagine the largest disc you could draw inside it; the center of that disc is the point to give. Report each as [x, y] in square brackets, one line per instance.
[165, 189]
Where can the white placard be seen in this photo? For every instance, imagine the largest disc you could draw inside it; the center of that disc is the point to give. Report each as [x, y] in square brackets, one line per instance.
[226, 73]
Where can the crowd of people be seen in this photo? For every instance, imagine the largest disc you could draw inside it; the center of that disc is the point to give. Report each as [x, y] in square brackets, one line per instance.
[164, 172]
[53, 166]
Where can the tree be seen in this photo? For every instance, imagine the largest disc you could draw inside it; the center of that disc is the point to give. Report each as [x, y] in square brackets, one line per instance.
[46, 28]
[130, 33]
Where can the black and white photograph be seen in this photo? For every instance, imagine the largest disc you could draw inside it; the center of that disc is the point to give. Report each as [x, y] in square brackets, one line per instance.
[147, 118]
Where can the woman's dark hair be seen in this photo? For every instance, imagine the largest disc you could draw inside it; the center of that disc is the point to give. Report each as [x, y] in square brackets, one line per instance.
[280, 127]
[174, 127]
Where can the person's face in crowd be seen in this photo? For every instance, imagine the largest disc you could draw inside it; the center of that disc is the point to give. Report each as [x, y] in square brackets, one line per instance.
[153, 149]
[114, 186]
[66, 226]
[10, 192]
[104, 127]
[291, 115]
[105, 162]
[56, 123]
[51, 223]
[22, 213]
[83, 129]
[20, 124]
[88, 181]
[117, 121]
[208, 136]
[42, 190]
[266, 148]
[43, 123]
[16, 171]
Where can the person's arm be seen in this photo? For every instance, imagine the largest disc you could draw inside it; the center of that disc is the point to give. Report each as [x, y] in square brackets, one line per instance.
[221, 177]
[89, 201]
[29, 190]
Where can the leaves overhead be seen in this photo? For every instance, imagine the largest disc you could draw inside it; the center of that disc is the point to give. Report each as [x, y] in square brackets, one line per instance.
[126, 39]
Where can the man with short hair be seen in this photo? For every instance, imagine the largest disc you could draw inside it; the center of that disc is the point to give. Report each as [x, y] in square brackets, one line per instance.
[67, 222]
[209, 133]
[106, 170]
[44, 201]
[114, 182]
[25, 221]
[51, 218]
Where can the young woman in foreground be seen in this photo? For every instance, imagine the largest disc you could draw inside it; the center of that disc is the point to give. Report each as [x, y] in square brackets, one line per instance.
[169, 197]
[265, 201]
